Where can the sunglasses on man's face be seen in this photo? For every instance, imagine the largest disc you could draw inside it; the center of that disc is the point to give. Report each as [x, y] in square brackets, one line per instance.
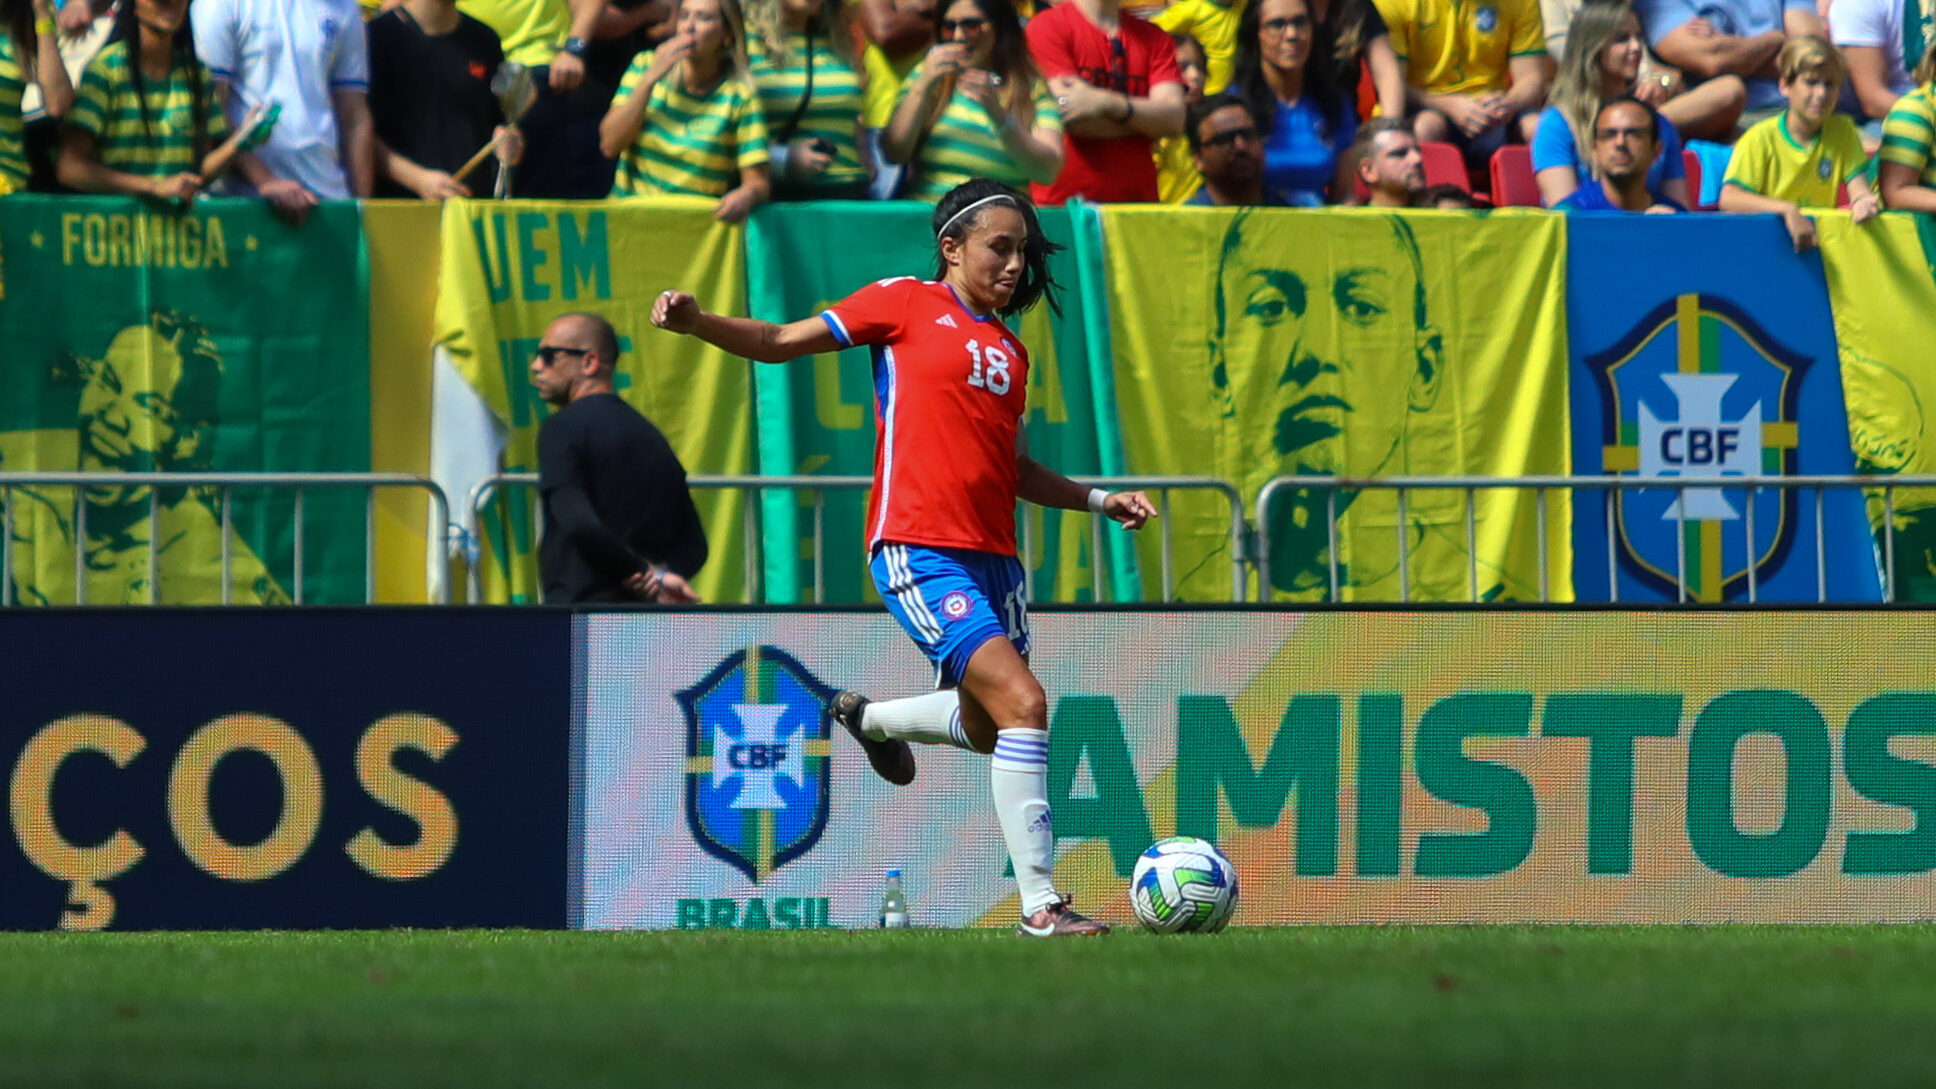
[1230, 137]
[971, 25]
[548, 354]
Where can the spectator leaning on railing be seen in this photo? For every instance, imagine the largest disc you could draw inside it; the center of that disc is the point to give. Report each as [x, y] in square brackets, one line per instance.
[1602, 61]
[29, 53]
[1305, 121]
[687, 120]
[430, 92]
[1908, 164]
[975, 107]
[146, 121]
[309, 60]
[1115, 82]
[806, 68]
[1800, 157]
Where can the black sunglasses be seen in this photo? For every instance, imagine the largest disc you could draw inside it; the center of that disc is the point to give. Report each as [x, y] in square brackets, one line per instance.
[972, 25]
[1118, 66]
[548, 354]
[1231, 136]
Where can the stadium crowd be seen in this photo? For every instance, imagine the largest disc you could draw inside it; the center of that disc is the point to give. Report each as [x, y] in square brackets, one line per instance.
[1600, 104]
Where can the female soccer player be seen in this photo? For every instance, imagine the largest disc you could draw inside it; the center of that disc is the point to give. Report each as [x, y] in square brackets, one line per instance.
[941, 522]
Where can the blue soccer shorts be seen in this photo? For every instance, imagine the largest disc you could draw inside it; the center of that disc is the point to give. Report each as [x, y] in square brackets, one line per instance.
[952, 600]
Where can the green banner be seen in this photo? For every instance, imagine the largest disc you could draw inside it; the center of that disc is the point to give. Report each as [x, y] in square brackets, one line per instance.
[143, 338]
[816, 416]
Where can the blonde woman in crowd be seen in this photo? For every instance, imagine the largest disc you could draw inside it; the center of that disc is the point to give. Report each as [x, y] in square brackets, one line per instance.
[686, 119]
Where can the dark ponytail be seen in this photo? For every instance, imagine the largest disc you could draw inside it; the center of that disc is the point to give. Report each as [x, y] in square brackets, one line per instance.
[1036, 282]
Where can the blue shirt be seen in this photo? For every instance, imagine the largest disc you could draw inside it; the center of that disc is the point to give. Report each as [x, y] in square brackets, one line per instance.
[1734, 18]
[1554, 145]
[1301, 155]
[1591, 196]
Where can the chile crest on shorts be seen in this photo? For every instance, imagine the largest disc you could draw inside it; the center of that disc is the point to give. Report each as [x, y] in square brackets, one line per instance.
[757, 760]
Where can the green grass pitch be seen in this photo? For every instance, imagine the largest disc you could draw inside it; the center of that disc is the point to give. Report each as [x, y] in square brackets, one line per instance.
[1398, 1006]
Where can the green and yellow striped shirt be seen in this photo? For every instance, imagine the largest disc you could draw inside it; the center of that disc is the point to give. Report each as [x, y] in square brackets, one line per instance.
[1908, 133]
[832, 113]
[150, 143]
[13, 151]
[965, 142]
[690, 145]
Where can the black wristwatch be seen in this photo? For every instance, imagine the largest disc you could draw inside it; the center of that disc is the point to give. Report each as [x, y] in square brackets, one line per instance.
[577, 47]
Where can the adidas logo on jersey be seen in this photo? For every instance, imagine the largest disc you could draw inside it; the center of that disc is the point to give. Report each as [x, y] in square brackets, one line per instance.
[947, 320]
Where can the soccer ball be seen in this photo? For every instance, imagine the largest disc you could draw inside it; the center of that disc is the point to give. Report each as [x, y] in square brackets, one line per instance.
[1183, 884]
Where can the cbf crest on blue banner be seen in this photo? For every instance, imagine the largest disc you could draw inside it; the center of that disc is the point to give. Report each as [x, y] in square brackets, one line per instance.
[757, 760]
[1704, 359]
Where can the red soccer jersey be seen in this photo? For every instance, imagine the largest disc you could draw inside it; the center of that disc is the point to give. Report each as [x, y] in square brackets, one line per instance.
[949, 389]
[1064, 42]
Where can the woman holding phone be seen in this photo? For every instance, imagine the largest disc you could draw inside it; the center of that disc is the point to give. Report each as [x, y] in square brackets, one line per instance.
[976, 106]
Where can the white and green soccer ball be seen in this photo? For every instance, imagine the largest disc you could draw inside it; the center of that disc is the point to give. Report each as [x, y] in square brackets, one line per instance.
[1183, 885]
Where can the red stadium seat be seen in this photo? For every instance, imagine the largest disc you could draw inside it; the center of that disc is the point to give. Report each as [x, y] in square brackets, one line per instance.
[1692, 163]
[1512, 178]
[1444, 164]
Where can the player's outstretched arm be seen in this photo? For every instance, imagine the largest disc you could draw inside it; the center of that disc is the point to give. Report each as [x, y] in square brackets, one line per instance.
[746, 337]
[1045, 487]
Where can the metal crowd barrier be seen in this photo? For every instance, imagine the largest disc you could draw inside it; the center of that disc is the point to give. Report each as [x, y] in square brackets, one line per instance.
[224, 484]
[819, 486]
[1275, 490]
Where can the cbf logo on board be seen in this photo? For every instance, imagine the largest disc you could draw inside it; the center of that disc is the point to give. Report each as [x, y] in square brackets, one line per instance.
[1698, 389]
[757, 760]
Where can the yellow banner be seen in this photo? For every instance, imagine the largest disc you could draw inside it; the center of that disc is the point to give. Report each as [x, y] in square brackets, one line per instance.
[1883, 299]
[1350, 343]
[507, 271]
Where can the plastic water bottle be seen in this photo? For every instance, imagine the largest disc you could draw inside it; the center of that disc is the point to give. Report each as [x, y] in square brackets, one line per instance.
[894, 908]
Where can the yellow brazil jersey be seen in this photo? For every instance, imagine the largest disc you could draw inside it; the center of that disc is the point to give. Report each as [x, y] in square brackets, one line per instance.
[148, 132]
[1213, 25]
[1177, 177]
[1769, 161]
[13, 156]
[531, 31]
[1909, 133]
[834, 103]
[692, 144]
[885, 75]
[1463, 46]
[964, 143]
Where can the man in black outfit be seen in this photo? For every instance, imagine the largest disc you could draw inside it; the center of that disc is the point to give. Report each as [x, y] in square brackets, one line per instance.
[430, 94]
[619, 524]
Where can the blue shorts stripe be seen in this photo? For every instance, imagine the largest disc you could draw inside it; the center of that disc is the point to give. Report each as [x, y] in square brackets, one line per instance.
[951, 601]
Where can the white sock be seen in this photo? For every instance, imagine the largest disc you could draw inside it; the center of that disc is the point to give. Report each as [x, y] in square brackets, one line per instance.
[933, 719]
[1019, 780]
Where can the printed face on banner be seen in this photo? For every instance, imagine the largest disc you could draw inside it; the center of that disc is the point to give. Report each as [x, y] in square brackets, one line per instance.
[757, 756]
[149, 402]
[1336, 343]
